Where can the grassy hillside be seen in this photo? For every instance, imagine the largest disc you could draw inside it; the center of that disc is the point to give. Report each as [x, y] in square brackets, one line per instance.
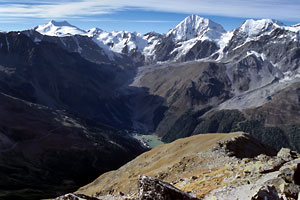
[184, 158]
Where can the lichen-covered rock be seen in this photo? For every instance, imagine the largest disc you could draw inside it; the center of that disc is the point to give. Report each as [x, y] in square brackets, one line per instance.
[286, 154]
[155, 189]
[290, 172]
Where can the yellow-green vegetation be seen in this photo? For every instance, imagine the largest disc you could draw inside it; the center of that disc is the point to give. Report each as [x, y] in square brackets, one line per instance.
[208, 166]
[174, 162]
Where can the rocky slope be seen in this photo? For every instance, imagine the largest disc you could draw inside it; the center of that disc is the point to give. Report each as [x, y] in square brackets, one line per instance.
[213, 166]
[186, 86]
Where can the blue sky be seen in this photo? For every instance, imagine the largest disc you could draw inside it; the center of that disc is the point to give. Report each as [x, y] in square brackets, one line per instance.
[141, 16]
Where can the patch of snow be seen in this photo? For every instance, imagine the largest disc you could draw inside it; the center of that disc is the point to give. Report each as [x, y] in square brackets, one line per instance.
[63, 42]
[258, 55]
[289, 76]
[106, 49]
[37, 40]
[184, 47]
[79, 49]
[7, 43]
[152, 39]
[223, 42]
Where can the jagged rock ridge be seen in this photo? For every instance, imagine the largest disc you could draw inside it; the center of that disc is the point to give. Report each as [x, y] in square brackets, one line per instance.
[221, 175]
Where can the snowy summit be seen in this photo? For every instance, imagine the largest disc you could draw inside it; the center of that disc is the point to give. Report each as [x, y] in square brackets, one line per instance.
[61, 29]
[255, 27]
[196, 26]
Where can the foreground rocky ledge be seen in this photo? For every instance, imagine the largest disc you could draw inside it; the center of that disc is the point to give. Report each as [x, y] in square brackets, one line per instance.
[223, 171]
[149, 188]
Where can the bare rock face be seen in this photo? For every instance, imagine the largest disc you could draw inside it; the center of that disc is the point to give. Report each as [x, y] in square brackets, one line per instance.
[266, 192]
[155, 189]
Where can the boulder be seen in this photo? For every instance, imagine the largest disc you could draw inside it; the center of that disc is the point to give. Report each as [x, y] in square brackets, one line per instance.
[286, 154]
[155, 189]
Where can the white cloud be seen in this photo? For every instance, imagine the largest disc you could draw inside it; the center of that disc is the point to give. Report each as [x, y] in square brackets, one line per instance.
[277, 9]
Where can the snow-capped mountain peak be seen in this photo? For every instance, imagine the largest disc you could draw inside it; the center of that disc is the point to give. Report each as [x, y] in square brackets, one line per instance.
[60, 29]
[252, 28]
[94, 31]
[119, 41]
[196, 26]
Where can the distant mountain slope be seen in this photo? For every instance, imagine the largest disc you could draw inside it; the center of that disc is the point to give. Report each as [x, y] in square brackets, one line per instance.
[46, 74]
[195, 69]
[275, 123]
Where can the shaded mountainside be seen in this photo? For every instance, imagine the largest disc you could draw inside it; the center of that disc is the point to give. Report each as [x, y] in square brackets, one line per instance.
[47, 74]
[45, 152]
[186, 86]
[86, 47]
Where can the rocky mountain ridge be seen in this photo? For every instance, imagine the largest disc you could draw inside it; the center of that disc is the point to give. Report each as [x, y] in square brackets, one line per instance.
[226, 167]
[178, 44]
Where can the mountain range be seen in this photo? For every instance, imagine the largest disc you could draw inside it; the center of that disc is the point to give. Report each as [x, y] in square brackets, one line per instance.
[197, 78]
